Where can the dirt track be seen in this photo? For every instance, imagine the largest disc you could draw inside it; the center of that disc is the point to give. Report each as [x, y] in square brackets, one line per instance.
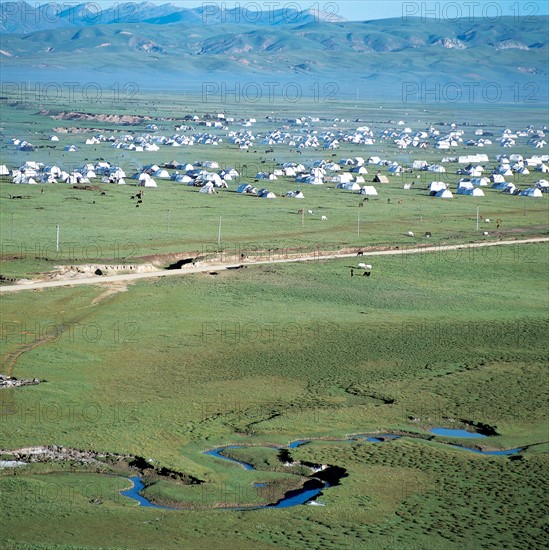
[98, 279]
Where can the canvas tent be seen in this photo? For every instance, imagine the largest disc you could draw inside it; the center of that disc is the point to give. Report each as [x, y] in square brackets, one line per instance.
[444, 194]
[208, 189]
[368, 190]
[436, 186]
[246, 188]
[350, 186]
[146, 181]
[473, 191]
[532, 192]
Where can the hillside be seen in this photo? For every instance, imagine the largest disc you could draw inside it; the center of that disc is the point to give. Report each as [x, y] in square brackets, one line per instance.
[171, 46]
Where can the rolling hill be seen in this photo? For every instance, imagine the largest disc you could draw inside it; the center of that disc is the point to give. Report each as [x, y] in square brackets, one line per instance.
[171, 47]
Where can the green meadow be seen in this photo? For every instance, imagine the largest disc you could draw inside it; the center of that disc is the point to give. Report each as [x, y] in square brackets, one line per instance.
[259, 357]
[175, 218]
[171, 368]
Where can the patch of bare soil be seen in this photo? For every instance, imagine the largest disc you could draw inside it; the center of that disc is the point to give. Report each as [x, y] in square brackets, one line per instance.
[110, 290]
[116, 119]
[67, 272]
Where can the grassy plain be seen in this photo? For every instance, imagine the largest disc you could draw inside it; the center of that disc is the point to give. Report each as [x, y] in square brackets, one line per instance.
[207, 361]
[262, 356]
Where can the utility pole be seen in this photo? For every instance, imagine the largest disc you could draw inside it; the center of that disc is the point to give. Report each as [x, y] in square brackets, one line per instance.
[57, 241]
[219, 234]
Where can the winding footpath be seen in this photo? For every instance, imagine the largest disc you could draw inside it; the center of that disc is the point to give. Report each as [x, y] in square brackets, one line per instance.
[100, 279]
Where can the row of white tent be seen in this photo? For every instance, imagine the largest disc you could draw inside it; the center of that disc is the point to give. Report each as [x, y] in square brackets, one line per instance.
[440, 189]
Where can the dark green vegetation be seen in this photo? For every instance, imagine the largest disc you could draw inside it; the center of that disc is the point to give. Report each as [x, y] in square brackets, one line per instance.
[203, 361]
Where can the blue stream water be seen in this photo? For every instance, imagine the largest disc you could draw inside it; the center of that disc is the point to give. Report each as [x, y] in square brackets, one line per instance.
[456, 433]
[308, 493]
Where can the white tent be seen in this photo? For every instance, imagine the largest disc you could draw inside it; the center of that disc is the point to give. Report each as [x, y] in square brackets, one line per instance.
[162, 174]
[482, 182]
[463, 186]
[436, 168]
[342, 178]
[532, 192]
[181, 178]
[368, 190]
[444, 194]
[437, 186]
[246, 188]
[146, 181]
[350, 186]
[475, 192]
[208, 189]
[4, 170]
[295, 195]
[502, 186]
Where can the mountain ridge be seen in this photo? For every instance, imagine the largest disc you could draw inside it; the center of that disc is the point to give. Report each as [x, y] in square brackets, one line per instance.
[385, 54]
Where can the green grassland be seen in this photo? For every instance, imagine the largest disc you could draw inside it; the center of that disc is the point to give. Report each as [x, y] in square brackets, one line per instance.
[175, 218]
[167, 369]
[187, 364]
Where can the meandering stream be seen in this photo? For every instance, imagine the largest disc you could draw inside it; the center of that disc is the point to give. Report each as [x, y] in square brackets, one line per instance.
[313, 487]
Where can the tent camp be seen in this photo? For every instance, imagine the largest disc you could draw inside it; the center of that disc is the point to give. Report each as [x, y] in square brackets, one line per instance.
[444, 194]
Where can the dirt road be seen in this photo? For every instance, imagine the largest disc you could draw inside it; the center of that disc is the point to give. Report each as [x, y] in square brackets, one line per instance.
[99, 279]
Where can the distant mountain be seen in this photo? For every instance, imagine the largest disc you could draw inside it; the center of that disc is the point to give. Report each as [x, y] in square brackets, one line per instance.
[167, 45]
[22, 17]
